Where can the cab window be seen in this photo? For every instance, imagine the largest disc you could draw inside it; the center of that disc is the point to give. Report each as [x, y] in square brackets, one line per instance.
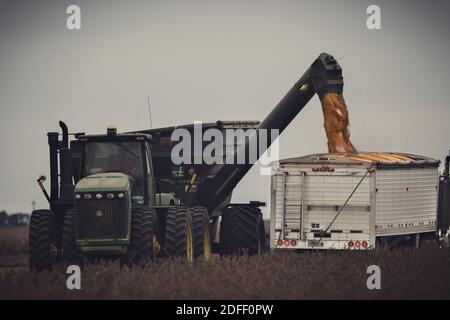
[124, 157]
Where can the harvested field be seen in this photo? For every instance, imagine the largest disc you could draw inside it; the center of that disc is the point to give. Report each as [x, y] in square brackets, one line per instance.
[13, 240]
[405, 273]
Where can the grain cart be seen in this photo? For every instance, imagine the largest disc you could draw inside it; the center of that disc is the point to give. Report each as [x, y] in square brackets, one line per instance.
[120, 194]
[357, 201]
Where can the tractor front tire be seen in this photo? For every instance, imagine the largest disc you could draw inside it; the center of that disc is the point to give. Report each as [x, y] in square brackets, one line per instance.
[179, 233]
[242, 231]
[143, 234]
[201, 233]
[40, 240]
[70, 251]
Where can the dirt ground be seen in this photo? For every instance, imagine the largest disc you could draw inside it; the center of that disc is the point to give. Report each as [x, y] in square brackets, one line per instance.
[405, 274]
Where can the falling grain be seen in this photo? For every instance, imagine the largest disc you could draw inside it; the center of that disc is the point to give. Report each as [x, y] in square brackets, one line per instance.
[336, 122]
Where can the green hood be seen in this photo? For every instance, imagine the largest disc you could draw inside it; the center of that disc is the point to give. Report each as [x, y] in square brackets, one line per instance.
[114, 181]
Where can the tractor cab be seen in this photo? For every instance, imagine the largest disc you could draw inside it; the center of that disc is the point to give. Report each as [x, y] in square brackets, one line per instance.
[106, 157]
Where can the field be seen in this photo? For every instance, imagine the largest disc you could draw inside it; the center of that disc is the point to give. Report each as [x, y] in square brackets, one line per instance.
[13, 240]
[408, 274]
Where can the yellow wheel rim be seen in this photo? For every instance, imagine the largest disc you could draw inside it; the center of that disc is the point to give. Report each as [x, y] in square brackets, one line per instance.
[258, 242]
[206, 243]
[189, 245]
[54, 250]
[156, 247]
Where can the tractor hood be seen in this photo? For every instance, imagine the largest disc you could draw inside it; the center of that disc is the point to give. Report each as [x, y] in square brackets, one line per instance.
[113, 181]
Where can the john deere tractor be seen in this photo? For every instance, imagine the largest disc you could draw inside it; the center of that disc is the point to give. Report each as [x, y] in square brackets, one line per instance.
[113, 210]
[121, 195]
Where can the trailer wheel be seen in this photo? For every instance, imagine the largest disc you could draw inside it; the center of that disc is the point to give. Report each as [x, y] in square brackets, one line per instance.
[70, 252]
[242, 231]
[40, 240]
[144, 235]
[179, 233]
[202, 233]
[428, 240]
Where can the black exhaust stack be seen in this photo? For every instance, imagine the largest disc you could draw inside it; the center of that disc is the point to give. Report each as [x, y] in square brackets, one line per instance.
[53, 144]
[65, 165]
[61, 182]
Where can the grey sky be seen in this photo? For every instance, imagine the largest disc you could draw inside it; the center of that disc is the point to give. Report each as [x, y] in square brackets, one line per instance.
[210, 60]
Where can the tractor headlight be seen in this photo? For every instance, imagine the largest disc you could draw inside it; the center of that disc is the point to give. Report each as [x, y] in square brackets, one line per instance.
[110, 196]
[78, 196]
[121, 195]
[99, 196]
[87, 196]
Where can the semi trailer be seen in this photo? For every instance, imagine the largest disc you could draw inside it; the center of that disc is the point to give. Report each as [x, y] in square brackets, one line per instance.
[358, 201]
[121, 195]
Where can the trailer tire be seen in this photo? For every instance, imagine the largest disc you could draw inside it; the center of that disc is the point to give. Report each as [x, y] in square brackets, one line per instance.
[70, 251]
[242, 231]
[179, 233]
[40, 240]
[429, 240]
[143, 238]
[201, 233]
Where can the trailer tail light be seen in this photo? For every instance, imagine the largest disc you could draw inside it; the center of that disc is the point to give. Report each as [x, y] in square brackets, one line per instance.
[279, 242]
[364, 244]
[293, 243]
[286, 243]
[350, 244]
[357, 244]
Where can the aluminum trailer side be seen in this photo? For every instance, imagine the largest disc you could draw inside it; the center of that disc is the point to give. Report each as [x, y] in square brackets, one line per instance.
[394, 201]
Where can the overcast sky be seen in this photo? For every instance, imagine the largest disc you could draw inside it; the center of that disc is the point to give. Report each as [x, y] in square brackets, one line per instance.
[211, 60]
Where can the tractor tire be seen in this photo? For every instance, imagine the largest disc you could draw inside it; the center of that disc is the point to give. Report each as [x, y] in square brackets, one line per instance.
[70, 251]
[201, 233]
[40, 240]
[143, 234]
[179, 233]
[242, 231]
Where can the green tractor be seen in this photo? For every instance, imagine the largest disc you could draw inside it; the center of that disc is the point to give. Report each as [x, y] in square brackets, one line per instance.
[122, 196]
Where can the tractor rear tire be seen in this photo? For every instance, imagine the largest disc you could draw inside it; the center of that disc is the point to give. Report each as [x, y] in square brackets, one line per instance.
[143, 234]
[202, 233]
[70, 251]
[179, 233]
[40, 240]
[242, 231]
